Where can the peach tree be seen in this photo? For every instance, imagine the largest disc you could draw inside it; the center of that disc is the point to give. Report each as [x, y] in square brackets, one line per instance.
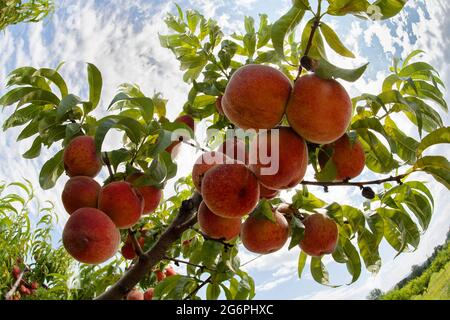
[271, 78]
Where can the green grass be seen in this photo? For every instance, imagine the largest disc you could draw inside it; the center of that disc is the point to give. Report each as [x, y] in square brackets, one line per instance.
[432, 284]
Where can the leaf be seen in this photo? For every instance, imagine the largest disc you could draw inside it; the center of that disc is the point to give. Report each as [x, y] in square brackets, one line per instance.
[411, 55]
[22, 116]
[437, 166]
[54, 77]
[264, 211]
[133, 129]
[441, 135]
[144, 104]
[30, 130]
[328, 172]
[342, 7]
[210, 252]
[318, 271]
[353, 259]
[413, 68]
[15, 95]
[283, 26]
[212, 291]
[297, 231]
[317, 49]
[406, 146]
[35, 149]
[68, 103]
[326, 70]
[334, 42]
[51, 171]
[95, 84]
[301, 263]
[389, 8]
[378, 158]
[368, 249]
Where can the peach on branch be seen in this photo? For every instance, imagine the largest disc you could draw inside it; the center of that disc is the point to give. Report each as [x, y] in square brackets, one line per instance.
[235, 149]
[263, 236]
[319, 110]
[230, 190]
[80, 192]
[128, 251]
[205, 162]
[80, 157]
[148, 294]
[122, 203]
[152, 195]
[135, 295]
[321, 235]
[190, 122]
[256, 97]
[217, 227]
[90, 236]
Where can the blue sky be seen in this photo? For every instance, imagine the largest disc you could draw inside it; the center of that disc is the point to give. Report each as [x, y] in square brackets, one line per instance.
[120, 37]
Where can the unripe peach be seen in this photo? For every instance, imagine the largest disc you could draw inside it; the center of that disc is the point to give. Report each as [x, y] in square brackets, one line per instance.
[148, 294]
[283, 152]
[230, 190]
[81, 158]
[260, 235]
[80, 192]
[152, 195]
[135, 295]
[122, 203]
[319, 110]
[321, 235]
[256, 97]
[205, 162]
[90, 236]
[217, 227]
[349, 159]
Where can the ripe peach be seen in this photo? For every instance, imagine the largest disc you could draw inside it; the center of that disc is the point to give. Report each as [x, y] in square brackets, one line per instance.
[34, 285]
[90, 236]
[169, 271]
[319, 110]
[160, 276]
[260, 235]
[321, 235]
[205, 162]
[135, 295]
[217, 227]
[16, 272]
[81, 158]
[122, 203]
[148, 294]
[267, 193]
[80, 192]
[152, 196]
[235, 149]
[256, 97]
[349, 159]
[289, 167]
[187, 120]
[230, 190]
[24, 290]
[128, 251]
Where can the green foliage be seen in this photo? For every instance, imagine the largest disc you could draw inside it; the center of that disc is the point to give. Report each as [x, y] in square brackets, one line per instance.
[16, 11]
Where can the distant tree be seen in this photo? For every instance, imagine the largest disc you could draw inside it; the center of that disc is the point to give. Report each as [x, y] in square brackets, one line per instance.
[16, 11]
[374, 294]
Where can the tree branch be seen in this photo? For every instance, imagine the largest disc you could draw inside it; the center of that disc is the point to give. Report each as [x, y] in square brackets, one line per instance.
[157, 253]
[193, 293]
[136, 246]
[108, 164]
[187, 263]
[10, 293]
[356, 184]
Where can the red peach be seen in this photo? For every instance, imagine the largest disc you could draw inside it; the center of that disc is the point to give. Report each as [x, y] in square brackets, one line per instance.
[80, 192]
[81, 158]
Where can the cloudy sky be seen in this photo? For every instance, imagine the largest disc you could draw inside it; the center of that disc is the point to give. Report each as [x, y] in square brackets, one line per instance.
[120, 37]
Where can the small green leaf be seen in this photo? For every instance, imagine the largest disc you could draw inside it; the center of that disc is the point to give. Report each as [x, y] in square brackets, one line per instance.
[441, 135]
[301, 263]
[212, 291]
[264, 211]
[318, 271]
[326, 70]
[297, 231]
[35, 149]
[54, 77]
[95, 84]
[284, 26]
[334, 42]
[437, 166]
[68, 103]
[51, 171]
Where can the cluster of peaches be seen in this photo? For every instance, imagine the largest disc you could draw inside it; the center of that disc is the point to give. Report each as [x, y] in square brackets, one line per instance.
[25, 288]
[259, 97]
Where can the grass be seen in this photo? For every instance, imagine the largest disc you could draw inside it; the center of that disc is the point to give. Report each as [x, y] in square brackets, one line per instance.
[439, 286]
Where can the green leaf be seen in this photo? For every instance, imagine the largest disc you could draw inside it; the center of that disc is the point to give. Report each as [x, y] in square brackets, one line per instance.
[54, 77]
[95, 84]
[343, 7]
[326, 70]
[35, 149]
[317, 49]
[297, 232]
[305, 200]
[389, 8]
[328, 172]
[441, 135]
[264, 211]
[378, 158]
[144, 104]
[30, 130]
[22, 116]
[285, 25]
[411, 55]
[318, 271]
[413, 68]
[334, 42]
[437, 166]
[368, 249]
[301, 263]
[51, 171]
[68, 103]
[353, 259]
[210, 251]
[212, 291]
[41, 97]
[406, 146]
[133, 129]
[15, 95]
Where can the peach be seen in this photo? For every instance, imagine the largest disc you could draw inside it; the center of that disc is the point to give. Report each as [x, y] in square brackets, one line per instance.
[256, 97]
[80, 192]
[230, 190]
[169, 271]
[205, 162]
[122, 203]
[321, 235]
[81, 159]
[160, 276]
[135, 295]
[174, 148]
[219, 107]
[148, 294]
[217, 227]
[152, 195]
[284, 153]
[260, 235]
[90, 236]
[267, 193]
[319, 110]
[235, 149]
[349, 159]
[128, 251]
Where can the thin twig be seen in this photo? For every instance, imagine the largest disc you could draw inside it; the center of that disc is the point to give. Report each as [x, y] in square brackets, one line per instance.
[188, 263]
[136, 246]
[108, 164]
[355, 184]
[193, 293]
[13, 290]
